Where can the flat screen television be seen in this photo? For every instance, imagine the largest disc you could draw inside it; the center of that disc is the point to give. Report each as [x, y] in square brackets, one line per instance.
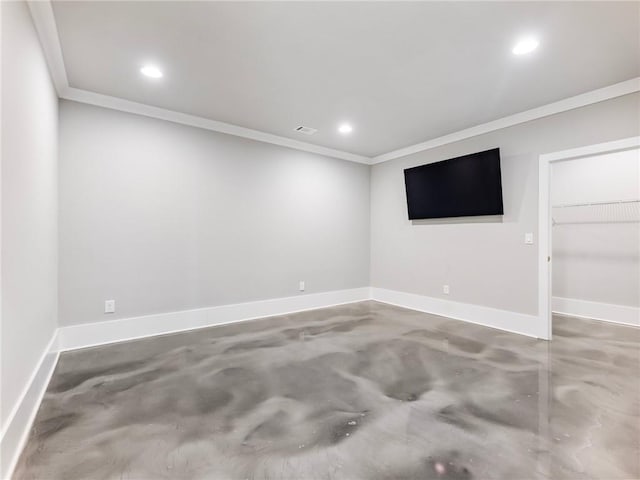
[465, 186]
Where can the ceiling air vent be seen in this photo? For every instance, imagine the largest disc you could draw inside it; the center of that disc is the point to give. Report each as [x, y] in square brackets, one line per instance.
[306, 130]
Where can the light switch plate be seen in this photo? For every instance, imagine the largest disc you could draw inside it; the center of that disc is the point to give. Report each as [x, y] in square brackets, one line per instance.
[528, 238]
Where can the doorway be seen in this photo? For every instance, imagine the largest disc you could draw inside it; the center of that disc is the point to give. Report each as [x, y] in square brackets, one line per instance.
[545, 260]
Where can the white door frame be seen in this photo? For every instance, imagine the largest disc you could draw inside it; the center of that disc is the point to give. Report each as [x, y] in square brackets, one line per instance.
[544, 215]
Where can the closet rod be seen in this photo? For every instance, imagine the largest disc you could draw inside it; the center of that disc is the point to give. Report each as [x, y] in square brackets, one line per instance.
[615, 202]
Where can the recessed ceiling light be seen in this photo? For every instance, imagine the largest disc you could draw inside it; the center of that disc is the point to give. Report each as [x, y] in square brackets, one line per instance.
[345, 128]
[151, 71]
[526, 45]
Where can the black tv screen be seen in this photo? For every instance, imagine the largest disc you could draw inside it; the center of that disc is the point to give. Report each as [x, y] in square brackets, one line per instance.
[465, 186]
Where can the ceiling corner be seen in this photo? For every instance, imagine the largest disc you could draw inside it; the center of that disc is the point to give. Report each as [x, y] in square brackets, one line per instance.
[46, 27]
[45, 23]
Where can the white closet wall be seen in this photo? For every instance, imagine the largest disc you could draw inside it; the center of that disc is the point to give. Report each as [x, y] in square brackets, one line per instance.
[596, 236]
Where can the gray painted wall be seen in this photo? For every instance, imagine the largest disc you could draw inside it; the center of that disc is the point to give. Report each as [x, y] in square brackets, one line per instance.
[29, 204]
[165, 217]
[484, 263]
[597, 261]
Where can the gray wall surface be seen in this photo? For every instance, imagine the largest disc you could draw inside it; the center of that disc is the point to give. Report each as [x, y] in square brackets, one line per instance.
[596, 249]
[484, 262]
[164, 217]
[29, 204]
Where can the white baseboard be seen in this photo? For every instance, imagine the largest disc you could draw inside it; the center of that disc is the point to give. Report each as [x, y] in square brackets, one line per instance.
[84, 335]
[513, 322]
[597, 311]
[18, 425]
[91, 334]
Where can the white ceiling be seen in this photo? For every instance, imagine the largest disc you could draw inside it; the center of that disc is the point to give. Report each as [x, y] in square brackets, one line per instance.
[401, 73]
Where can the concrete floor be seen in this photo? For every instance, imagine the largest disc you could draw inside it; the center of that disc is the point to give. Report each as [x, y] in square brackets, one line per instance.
[361, 391]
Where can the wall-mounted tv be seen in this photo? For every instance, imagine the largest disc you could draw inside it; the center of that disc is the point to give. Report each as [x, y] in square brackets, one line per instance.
[465, 186]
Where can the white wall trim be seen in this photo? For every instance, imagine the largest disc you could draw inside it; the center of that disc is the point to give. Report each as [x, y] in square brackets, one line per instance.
[115, 103]
[544, 214]
[607, 312]
[582, 100]
[84, 335]
[91, 334]
[45, 23]
[589, 150]
[16, 430]
[44, 20]
[513, 322]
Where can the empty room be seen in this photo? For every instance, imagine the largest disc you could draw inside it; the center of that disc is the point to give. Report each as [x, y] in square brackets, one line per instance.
[320, 240]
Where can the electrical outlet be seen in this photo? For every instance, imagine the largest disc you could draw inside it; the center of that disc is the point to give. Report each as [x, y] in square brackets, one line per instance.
[109, 306]
[301, 286]
[445, 289]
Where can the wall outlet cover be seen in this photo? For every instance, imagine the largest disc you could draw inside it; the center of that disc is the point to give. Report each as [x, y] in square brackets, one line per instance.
[109, 306]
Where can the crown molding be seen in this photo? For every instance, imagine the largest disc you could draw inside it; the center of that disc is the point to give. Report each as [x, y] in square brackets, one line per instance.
[44, 21]
[582, 100]
[123, 105]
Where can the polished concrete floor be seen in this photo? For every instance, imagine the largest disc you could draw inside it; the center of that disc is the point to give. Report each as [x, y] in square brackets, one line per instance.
[361, 391]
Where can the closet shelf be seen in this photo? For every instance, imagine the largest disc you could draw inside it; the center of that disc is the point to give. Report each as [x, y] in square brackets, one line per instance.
[619, 211]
